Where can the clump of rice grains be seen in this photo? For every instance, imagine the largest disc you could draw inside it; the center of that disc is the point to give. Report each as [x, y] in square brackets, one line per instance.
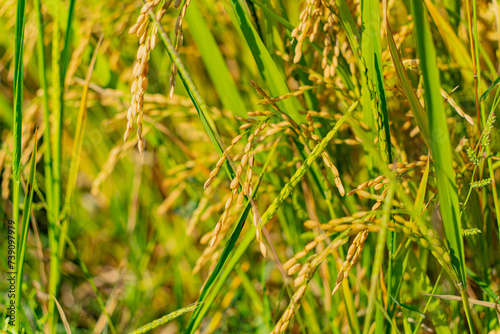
[254, 131]
[352, 256]
[380, 181]
[147, 32]
[318, 22]
[306, 271]
[179, 40]
[310, 20]
[308, 131]
[359, 221]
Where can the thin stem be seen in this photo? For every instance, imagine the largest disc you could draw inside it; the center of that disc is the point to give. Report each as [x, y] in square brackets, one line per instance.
[379, 255]
[16, 158]
[47, 156]
[473, 47]
[56, 184]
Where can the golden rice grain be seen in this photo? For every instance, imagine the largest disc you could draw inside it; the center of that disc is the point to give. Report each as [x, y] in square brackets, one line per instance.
[294, 269]
[352, 255]
[288, 264]
[143, 30]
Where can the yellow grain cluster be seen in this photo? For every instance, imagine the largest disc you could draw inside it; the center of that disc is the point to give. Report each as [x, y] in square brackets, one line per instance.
[352, 256]
[247, 161]
[179, 41]
[379, 182]
[299, 92]
[308, 132]
[305, 271]
[309, 26]
[146, 31]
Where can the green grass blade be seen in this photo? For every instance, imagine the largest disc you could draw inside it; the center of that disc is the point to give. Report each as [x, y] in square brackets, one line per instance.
[267, 67]
[47, 155]
[372, 55]
[368, 47]
[351, 29]
[368, 58]
[457, 49]
[273, 15]
[440, 142]
[59, 65]
[416, 107]
[487, 91]
[163, 320]
[17, 133]
[441, 149]
[56, 168]
[58, 117]
[18, 88]
[420, 197]
[214, 62]
[407, 306]
[208, 293]
[67, 41]
[28, 200]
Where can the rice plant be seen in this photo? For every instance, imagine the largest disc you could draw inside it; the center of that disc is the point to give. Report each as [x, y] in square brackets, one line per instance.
[249, 166]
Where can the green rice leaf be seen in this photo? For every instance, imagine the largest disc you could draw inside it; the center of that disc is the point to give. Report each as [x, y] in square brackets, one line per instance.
[440, 144]
[454, 44]
[374, 101]
[487, 91]
[17, 134]
[214, 62]
[265, 63]
[416, 107]
[28, 200]
[165, 319]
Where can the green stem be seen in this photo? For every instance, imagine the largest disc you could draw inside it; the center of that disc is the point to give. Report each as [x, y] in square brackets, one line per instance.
[379, 255]
[28, 199]
[16, 159]
[467, 309]
[15, 208]
[47, 157]
[56, 190]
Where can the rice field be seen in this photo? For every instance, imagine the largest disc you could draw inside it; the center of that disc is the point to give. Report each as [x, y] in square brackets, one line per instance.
[249, 166]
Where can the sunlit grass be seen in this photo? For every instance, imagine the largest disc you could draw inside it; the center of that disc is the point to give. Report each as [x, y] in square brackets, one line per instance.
[302, 167]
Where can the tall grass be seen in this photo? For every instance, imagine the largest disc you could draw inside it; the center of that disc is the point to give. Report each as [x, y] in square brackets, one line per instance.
[354, 199]
[16, 154]
[440, 147]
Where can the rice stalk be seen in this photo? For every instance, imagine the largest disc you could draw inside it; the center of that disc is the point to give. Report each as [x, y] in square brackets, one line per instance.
[16, 167]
